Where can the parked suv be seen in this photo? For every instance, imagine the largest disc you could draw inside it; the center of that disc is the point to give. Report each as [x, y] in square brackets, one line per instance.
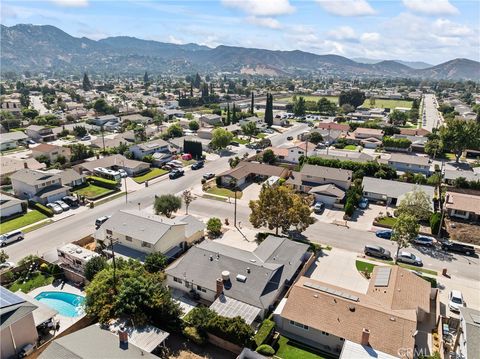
[10, 237]
[409, 258]
[176, 173]
[101, 220]
[197, 165]
[377, 251]
[458, 247]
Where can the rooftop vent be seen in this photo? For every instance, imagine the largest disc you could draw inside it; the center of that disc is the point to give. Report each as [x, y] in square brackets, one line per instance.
[225, 275]
[241, 278]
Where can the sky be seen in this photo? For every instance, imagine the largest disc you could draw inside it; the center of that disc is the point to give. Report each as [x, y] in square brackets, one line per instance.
[432, 31]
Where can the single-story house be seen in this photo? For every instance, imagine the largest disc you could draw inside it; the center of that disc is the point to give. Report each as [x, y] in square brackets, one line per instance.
[292, 153]
[346, 155]
[149, 148]
[132, 167]
[171, 113]
[259, 122]
[12, 106]
[329, 194]
[107, 142]
[414, 132]
[247, 283]
[389, 191]
[52, 152]
[178, 142]
[139, 233]
[387, 318]
[71, 178]
[368, 137]
[468, 343]
[40, 133]
[205, 132]
[137, 118]
[244, 171]
[463, 205]
[311, 176]
[409, 163]
[10, 206]
[211, 120]
[11, 140]
[418, 142]
[103, 120]
[451, 175]
[333, 126]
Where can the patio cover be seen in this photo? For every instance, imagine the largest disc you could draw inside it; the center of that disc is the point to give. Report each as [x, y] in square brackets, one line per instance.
[229, 307]
[43, 312]
[145, 337]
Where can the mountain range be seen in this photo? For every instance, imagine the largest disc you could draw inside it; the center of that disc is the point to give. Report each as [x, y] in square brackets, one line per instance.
[46, 48]
[417, 65]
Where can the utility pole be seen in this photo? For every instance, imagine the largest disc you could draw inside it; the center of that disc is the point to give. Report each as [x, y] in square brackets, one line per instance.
[114, 265]
[125, 182]
[103, 140]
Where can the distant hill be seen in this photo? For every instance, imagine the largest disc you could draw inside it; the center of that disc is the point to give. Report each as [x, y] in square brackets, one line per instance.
[417, 65]
[47, 48]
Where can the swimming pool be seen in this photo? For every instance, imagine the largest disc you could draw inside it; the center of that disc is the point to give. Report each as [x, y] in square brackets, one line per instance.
[67, 304]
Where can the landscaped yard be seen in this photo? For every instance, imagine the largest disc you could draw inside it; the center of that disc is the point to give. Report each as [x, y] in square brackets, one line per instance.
[350, 147]
[292, 350]
[381, 103]
[241, 141]
[333, 99]
[93, 191]
[37, 280]
[225, 192]
[387, 221]
[19, 222]
[363, 267]
[153, 173]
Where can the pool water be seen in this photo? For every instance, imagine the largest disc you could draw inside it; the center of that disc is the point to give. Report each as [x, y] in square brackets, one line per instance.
[67, 304]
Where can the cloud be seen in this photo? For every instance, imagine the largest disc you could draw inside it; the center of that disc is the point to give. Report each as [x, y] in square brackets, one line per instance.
[347, 7]
[269, 22]
[70, 3]
[430, 7]
[370, 36]
[343, 33]
[261, 7]
[174, 40]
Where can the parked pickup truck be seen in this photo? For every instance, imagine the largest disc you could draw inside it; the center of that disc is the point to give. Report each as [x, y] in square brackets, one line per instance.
[458, 247]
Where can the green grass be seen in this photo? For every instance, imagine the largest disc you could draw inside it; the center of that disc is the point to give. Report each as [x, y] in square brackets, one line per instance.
[363, 267]
[261, 135]
[37, 280]
[333, 99]
[225, 192]
[153, 173]
[381, 103]
[387, 221]
[208, 196]
[111, 198]
[19, 222]
[291, 350]
[240, 140]
[93, 191]
[407, 266]
[264, 331]
[450, 156]
[37, 226]
[350, 147]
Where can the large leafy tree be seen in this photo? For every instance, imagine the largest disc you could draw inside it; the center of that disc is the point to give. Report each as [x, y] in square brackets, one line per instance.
[93, 266]
[398, 118]
[299, 106]
[278, 208]
[459, 135]
[405, 230]
[167, 204]
[221, 138]
[315, 138]
[269, 110]
[326, 107]
[249, 129]
[175, 130]
[417, 204]
[155, 262]
[134, 293]
[353, 97]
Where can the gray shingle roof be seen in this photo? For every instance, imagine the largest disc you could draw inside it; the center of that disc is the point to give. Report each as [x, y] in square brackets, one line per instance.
[12, 136]
[12, 308]
[338, 174]
[274, 262]
[33, 177]
[391, 188]
[472, 324]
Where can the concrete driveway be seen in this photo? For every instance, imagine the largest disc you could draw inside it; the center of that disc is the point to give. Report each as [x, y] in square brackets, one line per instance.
[363, 218]
[337, 267]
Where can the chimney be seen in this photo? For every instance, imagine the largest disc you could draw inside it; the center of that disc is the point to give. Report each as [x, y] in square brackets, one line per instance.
[365, 337]
[219, 290]
[123, 337]
[25, 165]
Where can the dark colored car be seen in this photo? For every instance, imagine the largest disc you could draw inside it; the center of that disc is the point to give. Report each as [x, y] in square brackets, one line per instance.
[289, 138]
[71, 201]
[458, 248]
[197, 165]
[208, 176]
[384, 233]
[234, 143]
[377, 251]
[176, 173]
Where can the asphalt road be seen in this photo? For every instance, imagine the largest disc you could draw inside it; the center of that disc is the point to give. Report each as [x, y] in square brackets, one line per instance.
[432, 116]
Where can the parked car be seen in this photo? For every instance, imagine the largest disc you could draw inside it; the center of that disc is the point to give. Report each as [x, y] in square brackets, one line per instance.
[7, 265]
[197, 165]
[409, 258]
[123, 173]
[101, 220]
[86, 138]
[363, 203]
[11, 237]
[176, 173]
[63, 205]
[455, 301]
[71, 201]
[55, 208]
[458, 248]
[424, 241]
[384, 233]
[289, 138]
[31, 142]
[234, 143]
[208, 176]
[319, 207]
[377, 251]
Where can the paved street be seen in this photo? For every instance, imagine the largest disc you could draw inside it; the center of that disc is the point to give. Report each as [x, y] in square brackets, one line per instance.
[432, 116]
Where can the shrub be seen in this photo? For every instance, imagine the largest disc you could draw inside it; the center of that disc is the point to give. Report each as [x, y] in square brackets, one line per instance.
[194, 335]
[435, 222]
[370, 168]
[265, 349]
[264, 332]
[103, 182]
[41, 208]
[218, 181]
[44, 267]
[396, 142]
[155, 262]
[349, 208]
[93, 266]
[214, 226]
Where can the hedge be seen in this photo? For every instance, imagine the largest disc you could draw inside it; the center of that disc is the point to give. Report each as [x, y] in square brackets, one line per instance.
[369, 169]
[435, 222]
[396, 142]
[264, 332]
[103, 182]
[41, 208]
[266, 350]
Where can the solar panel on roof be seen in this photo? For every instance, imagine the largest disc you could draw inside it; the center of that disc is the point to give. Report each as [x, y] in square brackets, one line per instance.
[8, 299]
[383, 277]
[331, 291]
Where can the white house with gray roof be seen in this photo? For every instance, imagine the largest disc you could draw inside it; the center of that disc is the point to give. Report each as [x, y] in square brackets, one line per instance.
[249, 281]
[11, 140]
[468, 344]
[149, 148]
[137, 233]
[389, 191]
[311, 176]
[39, 186]
[409, 163]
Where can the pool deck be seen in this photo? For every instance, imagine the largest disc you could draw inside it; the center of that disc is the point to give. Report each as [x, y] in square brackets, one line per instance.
[65, 322]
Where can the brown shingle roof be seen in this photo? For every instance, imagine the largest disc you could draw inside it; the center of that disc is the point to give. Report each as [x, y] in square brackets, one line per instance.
[389, 329]
[244, 169]
[463, 202]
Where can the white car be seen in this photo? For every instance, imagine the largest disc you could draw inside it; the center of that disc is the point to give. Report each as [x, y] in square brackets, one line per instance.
[63, 205]
[409, 258]
[123, 173]
[455, 301]
[7, 265]
[55, 208]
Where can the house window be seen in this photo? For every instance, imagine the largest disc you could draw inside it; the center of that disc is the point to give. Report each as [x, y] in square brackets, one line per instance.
[128, 238]
[178, 280]
[342, 339]
[109, 231]
[77, 262]
[147, 245]
[325, 333]
[201, 289]
[460, 213]
[299, 325]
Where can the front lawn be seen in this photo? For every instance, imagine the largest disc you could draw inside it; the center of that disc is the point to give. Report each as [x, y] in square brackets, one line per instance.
[225, 192]
[35, 281]
[19, 222]
[153, 173]
[241, 141]
[387, 221]
[363, 267]
[93, 191]
[350, 147]
[384, 103]
[288, 349]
